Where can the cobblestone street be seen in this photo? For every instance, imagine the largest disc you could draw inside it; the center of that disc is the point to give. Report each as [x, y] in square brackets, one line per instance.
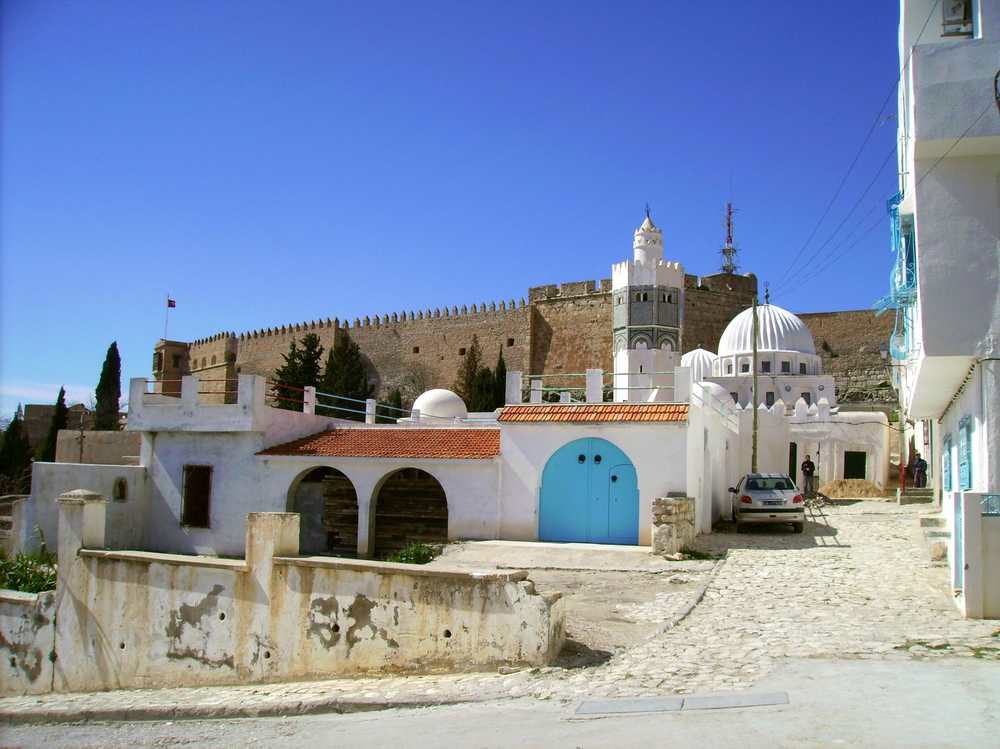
[858, 584]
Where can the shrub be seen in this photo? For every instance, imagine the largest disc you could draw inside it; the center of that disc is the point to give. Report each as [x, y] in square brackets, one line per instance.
[415, 553]
[28, 573]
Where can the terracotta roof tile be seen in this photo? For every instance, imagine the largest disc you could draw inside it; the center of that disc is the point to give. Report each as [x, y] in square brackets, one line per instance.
[468, 444]
[594, 412]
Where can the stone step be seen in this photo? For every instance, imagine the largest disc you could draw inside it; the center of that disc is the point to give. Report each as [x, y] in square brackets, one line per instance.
[933, 521]
[934, 534]
[909, 499]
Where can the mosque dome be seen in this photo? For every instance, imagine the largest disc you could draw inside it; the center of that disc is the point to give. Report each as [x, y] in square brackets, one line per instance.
[441, 403]
[700, 361]
[778, 330]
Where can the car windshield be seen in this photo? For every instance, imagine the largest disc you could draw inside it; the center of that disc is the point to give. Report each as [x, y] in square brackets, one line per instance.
[770, 484]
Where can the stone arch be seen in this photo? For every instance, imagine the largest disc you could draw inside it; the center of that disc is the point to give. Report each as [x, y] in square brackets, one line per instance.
[409, 505]
[327, 504]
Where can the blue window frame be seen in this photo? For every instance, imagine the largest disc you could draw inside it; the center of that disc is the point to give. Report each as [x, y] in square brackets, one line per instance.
[965, 453]
[946, 464]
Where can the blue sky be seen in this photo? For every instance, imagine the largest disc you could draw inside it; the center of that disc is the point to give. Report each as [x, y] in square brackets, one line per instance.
[275, 162]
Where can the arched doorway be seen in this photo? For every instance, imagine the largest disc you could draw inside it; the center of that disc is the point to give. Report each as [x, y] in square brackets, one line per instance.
[328, 513]
[589, 493]
[410, 506]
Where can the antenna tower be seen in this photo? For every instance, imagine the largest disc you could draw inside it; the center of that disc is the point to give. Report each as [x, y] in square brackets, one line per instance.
[729, 249]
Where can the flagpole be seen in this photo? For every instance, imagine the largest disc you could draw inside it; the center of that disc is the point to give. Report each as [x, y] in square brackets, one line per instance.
[166, 317]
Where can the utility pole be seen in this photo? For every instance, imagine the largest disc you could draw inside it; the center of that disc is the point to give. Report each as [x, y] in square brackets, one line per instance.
[753, 454]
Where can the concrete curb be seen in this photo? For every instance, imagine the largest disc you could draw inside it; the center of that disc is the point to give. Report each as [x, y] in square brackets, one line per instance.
[55, 715]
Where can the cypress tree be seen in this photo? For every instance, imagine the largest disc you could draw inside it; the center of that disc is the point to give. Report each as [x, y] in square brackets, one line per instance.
[47, 450]
[346, 376]
[288, 374]
[483, 387]
[15, 455]
[500, 382]
[109, 391]
[468, 371]
[310, 358]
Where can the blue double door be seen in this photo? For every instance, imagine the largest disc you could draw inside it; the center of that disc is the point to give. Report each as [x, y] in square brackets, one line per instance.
[590, 494]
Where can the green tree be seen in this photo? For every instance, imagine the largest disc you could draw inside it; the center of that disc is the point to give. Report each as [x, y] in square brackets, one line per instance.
[395, 411]
[310, 361]
[345, 376]
[467, 372]
[15, 456]
[500, 382]
[109, 391]
[47, 450]
[483, 391]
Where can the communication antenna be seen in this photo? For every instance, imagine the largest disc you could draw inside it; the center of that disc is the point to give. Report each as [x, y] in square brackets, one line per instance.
[729, 249]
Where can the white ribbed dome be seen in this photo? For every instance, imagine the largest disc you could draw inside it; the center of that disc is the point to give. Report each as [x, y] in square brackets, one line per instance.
[779, 330]
[441, 403]
[700, 361]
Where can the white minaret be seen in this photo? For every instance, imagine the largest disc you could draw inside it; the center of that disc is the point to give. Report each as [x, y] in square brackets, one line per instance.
[648, 304]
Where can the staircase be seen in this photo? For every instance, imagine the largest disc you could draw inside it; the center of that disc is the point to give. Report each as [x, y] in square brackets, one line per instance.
[937, 536]
[913, 496]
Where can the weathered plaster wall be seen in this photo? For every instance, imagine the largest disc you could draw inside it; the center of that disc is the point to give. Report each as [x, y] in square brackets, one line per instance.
[656, 450]
[27, 638]
[105, 448]
[139, 619]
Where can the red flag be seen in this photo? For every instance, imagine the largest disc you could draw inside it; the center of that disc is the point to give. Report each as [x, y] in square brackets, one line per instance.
[171, 302]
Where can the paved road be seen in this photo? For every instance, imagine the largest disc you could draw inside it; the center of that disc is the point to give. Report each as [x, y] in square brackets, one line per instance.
[857, 584]
[901, 703]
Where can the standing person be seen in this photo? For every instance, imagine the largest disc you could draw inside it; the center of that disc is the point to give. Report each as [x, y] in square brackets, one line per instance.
[808, 469]
[920, 472]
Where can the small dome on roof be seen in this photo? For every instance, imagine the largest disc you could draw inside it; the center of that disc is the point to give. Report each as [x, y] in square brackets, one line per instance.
[441, 403]
[778, 330]
[700, 361]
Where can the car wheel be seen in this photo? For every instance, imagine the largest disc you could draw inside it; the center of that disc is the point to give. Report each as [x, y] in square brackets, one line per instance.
[798, 527]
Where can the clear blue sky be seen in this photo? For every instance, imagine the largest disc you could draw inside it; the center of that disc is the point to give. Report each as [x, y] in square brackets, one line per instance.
[275, 162]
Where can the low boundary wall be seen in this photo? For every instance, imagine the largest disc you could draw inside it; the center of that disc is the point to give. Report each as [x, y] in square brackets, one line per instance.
[142, 619]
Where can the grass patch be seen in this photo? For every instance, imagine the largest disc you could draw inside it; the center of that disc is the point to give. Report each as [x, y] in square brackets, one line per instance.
[28, 573]
[700, 555]
[415, 553]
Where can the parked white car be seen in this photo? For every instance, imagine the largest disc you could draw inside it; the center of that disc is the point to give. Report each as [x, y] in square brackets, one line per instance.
[767, 498]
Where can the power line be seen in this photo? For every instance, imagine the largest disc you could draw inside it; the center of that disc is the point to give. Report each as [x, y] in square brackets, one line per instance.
[815, 254]
[967, 130]
[864, 143]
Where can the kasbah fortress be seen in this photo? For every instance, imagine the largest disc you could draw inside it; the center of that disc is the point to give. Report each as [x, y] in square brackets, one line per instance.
[557, 329]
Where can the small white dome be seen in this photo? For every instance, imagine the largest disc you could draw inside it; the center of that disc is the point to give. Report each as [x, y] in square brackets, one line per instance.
[700, 361]
[778, 330]
[441, 403]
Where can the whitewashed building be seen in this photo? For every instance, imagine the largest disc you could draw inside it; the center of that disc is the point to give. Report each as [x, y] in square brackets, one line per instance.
[945, 224]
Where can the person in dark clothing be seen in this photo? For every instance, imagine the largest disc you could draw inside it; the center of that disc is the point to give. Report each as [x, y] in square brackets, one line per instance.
[919, 472]
[808, 469]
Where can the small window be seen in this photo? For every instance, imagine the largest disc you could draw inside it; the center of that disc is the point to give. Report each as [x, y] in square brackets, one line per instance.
[176, 359]
[786, 367]
[416, 349]
[769, 399]
[765, 366]
[204, 361]
[120, 490]
[729, 368]
[670, 298]
[638, 296]
[510, 342]
[461, 351]
[956, 18]
[802, 367]
[213, 360]
[197, 496]
[736, 397]
[807, 397]
[663, 297]
[645, 297]
[157, 361]
[745, 367]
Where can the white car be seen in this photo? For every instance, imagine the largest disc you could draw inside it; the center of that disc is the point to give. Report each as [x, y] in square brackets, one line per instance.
[767, 498]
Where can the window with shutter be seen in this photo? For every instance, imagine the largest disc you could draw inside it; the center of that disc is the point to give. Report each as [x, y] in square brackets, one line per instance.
[946, 464]
[197, 496]
[965, 454]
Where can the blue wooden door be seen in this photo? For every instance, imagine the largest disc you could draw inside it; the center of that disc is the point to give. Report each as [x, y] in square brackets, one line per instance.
[589, 493]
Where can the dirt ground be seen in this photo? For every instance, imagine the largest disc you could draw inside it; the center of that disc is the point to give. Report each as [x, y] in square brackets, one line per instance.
[615, 597]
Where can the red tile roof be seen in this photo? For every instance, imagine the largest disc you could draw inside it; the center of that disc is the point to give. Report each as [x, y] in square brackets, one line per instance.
[594, 412]
[469, 444]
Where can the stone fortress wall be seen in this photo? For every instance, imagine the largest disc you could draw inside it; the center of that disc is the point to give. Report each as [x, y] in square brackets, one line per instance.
[559, 329]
